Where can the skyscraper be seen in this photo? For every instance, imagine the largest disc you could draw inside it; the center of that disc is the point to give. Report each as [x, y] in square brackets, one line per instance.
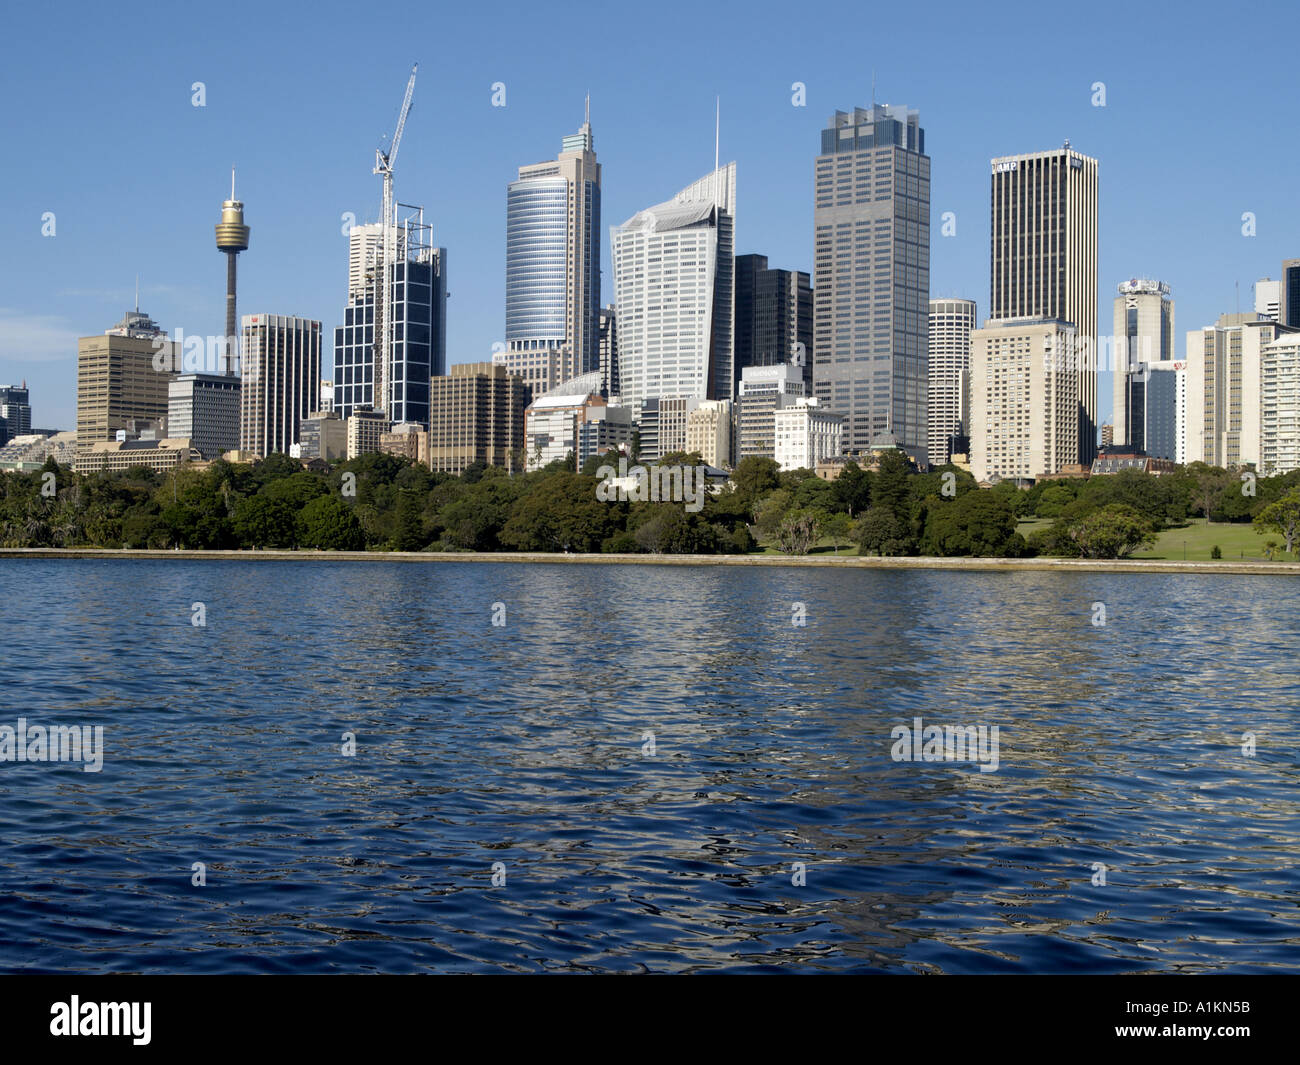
[1144, 321]
[674, 270]
[1044, 257]
[15, 411]
[553, 258]
[1268, 299]
[1290, 309]
[948, 387]
[281, 380]
[419, 313]
[1024, 393]
[1224, 362]
[122, 378]
[871, 275]
[774, 316]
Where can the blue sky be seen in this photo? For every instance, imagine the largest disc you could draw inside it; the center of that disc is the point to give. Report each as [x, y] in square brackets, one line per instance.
[98, 127]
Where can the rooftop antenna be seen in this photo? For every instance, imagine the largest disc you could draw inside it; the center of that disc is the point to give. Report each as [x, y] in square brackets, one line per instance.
[137, 293]
[232, 181]
[717, 127]
[873, 88]
[588, 115]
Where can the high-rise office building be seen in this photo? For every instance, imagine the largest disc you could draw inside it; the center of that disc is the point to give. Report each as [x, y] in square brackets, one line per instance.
[1224, 361]
[1290, 309]
[1163, 395]
[1044, 257]
[553, 258]
[280, 383]
[1268, 299]
[948, 387]
[674, 268]
[871, 276]
[205, 409]
[476, 414]
[762, 391]
[119, 379]
[607, 342]
[1280, 405]
[419, 313]
[1143, 334]
[1024, 395]
[774, 316]
[15, 412]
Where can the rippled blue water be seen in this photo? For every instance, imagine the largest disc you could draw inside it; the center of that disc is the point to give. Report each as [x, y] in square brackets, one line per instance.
[524, 744]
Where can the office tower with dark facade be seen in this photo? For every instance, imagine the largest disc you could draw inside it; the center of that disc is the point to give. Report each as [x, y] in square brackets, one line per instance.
[871, 276]
[610, 373]
[280, 384]
[1290, 310]
[774, 316]
[15, 412]
[419, 322]
[1044, 257]
[1144, 322]
[553, 259]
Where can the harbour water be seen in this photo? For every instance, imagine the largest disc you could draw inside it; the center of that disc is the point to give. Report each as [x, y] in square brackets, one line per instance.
[647, 769]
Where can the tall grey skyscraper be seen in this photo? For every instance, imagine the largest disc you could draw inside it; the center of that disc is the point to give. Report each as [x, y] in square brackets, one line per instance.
[871, 275]
[1144, 319]
[1044, 256]
[774, 322]
[553, 258]
[674, 279]
[948, 409]
[281, 380]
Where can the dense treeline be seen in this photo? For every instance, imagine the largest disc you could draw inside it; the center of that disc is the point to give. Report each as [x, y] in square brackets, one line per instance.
[382, 502]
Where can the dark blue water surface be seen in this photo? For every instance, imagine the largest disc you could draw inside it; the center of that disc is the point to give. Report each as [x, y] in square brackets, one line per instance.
[524, 744]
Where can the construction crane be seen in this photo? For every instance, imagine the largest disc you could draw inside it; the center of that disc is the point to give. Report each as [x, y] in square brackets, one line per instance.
[384, 162]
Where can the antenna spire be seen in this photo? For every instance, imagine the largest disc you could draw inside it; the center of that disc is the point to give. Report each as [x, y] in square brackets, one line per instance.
[137, 293]
[873, 88]
[232, 181]
[588, 115]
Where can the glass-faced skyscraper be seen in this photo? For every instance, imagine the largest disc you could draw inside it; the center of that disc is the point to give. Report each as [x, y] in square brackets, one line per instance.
[419, 322]
[553, 259]
[871, 275]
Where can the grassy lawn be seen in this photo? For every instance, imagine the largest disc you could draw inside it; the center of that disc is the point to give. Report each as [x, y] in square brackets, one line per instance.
[1237, 542]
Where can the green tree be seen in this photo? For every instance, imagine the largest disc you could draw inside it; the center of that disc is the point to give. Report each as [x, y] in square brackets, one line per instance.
[797, 532]
[1113, 531]
[1282, 517]
[976, 523]
[838, 528]
[263, 522]
[562, 513]
[882, 532]
[328, 524]
[753, 478]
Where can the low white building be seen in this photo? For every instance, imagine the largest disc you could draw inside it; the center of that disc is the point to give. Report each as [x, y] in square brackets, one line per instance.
[806, 434]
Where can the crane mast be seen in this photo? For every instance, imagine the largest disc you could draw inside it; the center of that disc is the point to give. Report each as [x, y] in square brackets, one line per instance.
[384, 162]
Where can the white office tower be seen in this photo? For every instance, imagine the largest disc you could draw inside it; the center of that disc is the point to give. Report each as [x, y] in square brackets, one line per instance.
[674, 279]
[947, 414]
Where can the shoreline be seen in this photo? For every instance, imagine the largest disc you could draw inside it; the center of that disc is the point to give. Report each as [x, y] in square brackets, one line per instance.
[1078, 565]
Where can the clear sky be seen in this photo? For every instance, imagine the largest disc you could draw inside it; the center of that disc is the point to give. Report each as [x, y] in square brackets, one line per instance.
[98, 127]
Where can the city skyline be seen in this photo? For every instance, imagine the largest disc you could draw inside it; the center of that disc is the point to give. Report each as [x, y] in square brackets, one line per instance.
[158, 217]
